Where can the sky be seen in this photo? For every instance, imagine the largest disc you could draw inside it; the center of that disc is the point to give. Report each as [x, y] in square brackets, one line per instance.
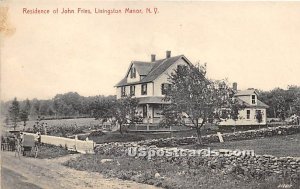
[255, 44]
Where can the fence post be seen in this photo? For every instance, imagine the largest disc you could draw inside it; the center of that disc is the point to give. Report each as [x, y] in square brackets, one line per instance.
[76, 138]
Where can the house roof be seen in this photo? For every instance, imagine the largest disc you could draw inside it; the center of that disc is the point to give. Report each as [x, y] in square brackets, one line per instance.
[143, 68]
[249, 92]
[259, 104]
[151, 70]
[246, 92]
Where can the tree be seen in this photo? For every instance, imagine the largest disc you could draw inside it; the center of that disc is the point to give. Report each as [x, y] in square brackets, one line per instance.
[296, 106]
[283, 103]
[68, 104]
[14, 110]
[124, 111]
[192, 95]
[232, 109]
[259, 116]
[101, 109]
[24, 113]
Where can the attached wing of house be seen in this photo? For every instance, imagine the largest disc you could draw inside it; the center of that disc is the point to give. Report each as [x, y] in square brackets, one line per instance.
[253, 107]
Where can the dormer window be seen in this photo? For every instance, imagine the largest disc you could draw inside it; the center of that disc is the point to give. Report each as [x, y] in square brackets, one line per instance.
[133, 72]
[253, 99]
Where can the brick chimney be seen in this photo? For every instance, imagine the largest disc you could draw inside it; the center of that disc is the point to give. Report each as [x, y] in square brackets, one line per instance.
[152, 57]
[234, 86]
[168, 54]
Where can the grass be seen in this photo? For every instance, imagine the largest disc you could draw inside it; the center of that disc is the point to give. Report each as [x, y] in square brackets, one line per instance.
[79, 122]
[47, 151]
[172, 175]
[116, 137]
[280, 146]
[136, 136]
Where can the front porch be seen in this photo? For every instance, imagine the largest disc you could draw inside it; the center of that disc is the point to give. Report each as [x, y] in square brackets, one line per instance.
[150, 109]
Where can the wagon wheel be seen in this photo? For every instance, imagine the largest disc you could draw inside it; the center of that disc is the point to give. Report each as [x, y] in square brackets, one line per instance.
[18, 148]
[35, 150]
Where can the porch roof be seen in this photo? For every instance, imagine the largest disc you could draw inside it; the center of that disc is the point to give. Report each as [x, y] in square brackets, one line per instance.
[152, 100]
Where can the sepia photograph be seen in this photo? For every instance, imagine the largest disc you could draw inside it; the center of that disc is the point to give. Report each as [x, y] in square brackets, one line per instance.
[150, 94]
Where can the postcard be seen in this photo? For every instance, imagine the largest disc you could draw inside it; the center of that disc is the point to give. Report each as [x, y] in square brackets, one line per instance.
[150, 94]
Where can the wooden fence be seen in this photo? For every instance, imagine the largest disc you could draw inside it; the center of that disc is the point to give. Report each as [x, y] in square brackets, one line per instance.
[81, 146]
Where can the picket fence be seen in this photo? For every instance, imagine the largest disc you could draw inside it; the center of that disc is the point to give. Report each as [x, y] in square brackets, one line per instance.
[81, 146]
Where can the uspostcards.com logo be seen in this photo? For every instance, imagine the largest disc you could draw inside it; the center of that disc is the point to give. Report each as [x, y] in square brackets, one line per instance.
[284, 186]
[150, 153]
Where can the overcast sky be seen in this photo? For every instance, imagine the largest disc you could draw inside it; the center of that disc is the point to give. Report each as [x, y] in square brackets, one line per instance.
[254, 44]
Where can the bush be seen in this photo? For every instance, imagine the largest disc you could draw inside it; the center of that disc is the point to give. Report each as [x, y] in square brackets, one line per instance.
[47, 151]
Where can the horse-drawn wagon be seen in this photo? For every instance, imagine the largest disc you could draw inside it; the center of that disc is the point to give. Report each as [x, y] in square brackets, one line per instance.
[30, 145]
[25, 144]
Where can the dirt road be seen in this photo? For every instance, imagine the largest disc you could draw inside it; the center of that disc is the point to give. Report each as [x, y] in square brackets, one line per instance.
[50, 173]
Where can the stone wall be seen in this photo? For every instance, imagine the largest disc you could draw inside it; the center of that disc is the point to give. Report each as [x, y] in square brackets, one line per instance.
[241, 135]
[248, 165]
[242, 165]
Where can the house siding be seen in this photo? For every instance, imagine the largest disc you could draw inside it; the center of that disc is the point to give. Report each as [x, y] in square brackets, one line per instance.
[163, 78]
[138, 90]
[243, 118]
[137, 76]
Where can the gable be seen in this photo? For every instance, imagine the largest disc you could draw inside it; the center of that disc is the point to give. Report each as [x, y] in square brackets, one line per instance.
[152, 70]
[164, 76]
[160, 68]
[259, 104]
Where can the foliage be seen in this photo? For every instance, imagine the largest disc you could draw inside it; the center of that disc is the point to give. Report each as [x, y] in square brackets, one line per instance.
[259, 116]
[283, 103]
[14, 110]
[48, 151]
[124, 111]
[71, 105]
[24, 113]
[67, 104]
[101, 108]
[195, 97]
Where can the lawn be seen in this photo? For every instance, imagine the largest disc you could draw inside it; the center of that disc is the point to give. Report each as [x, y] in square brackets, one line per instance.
[80, 122]
[47, 151]
[280, 146]
[133, 136]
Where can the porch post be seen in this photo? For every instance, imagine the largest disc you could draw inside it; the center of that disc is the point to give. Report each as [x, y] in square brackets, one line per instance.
[148, 116]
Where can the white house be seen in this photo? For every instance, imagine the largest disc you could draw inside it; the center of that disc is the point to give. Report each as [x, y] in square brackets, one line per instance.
[253, 107]
[148, 81]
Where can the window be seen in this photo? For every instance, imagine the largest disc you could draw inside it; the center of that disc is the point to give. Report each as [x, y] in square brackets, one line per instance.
[133, 72]
[248, 114]
[144, 89]
[123, 91]
[164, 88]
[258, 113]
[132, 90]
[253, 99]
